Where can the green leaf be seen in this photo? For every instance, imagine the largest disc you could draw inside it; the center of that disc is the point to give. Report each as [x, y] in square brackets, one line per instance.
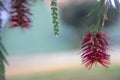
[2, 48]
[2, 70]
[2, 60]
[2, 57]
[94, 9]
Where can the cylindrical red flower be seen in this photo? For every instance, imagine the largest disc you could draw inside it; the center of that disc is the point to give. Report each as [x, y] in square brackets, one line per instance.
[20, 13]
[94, 48]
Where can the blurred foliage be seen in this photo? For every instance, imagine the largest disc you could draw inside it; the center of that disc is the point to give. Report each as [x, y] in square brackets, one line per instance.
[2, 49]
[2, 70]
[2, 60]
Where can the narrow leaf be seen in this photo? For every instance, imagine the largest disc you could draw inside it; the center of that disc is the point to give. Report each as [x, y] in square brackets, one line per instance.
[2, 70]
[2, 48]
[94, 9]
[2, 57]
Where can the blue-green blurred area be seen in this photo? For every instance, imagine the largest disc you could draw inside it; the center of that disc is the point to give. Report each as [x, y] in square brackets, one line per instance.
[37, 54]
[40, 36]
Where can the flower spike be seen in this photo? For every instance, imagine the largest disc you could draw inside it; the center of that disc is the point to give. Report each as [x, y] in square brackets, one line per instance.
[20, 14]
[94, 48]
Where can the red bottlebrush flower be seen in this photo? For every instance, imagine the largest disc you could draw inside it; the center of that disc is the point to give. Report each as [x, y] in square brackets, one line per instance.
[95, 47]
[20, 13]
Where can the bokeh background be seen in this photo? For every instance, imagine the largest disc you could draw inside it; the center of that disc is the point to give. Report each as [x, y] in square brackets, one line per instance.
[36, 54]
